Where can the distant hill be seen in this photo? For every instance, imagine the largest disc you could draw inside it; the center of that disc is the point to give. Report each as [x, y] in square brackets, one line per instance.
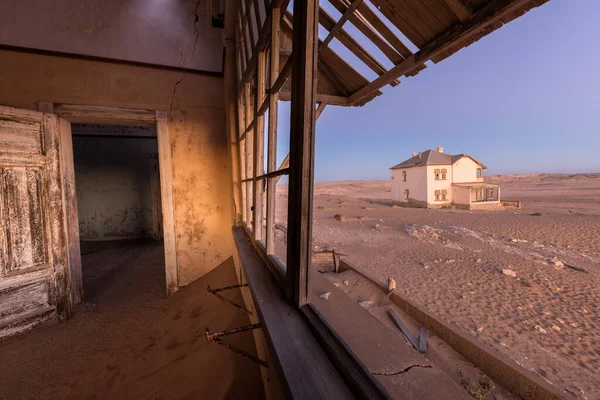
[538, 177]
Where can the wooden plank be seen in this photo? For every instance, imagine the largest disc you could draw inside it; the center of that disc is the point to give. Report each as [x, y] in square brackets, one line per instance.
[259, 146]
[272, 135]
[54, 218]
[364, 385]
[338, 26]
[320, 109]
[370, 17]
[329, 23]
[302, 148]
[422, 340]
[71, 216]
[100, 114]
[407, 333]
[286, 161]
[263, 39]
[166, 189]
[154, 172]
[283, 76]
[484, 17]
[232, 72]
[305, 370]
[257, 16]
[370, 33]
[250, 27]
[459, 9]
[274, 174]
[249, 156]
[321, 98]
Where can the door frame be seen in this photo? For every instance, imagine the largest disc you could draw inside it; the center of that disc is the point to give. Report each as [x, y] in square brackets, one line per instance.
[112, 115]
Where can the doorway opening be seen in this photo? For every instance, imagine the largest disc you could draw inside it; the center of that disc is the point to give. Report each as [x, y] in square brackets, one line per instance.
[117, 181]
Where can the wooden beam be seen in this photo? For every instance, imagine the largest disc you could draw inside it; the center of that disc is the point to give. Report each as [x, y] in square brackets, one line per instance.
[340, 23]
[491, 13]
[302, 149]
[459, 9]
[320, 109]
[321, 98]
[286, 161]
[259, 147]
[274, 174]
[365, 12]
[249, 156]
[370, 33]
[351, 44]
[272, 135]
[283, 76]
[165, 166]
[250, 27]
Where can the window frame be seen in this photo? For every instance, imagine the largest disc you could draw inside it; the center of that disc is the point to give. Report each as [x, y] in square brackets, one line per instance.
[257, 184]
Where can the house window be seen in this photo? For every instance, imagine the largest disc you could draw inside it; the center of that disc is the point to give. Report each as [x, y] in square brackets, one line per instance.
[444, 194]
[406, 193]
[444, 172]
[438, 195]
[479, 174]
[404, 176]
[437, 174]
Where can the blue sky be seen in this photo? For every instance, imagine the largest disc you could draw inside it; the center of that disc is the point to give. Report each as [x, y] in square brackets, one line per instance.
[525, 99]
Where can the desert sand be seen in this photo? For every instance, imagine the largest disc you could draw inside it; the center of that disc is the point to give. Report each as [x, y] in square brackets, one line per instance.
[546, 318]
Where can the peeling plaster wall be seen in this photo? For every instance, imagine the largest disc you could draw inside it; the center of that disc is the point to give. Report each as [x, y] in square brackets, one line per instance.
[201, 167]
[114, 195]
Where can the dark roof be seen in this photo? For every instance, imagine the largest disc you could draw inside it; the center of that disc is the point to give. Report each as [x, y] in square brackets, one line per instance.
[432, 157]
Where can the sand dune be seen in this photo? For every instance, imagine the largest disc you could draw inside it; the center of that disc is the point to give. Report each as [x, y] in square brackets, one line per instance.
[546, 319]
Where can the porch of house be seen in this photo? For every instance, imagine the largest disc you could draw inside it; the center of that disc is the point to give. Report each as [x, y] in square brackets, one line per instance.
[476, 196]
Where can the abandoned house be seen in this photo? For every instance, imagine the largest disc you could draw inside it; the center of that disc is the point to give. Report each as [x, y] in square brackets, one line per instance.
[138, 169]
[434, 179]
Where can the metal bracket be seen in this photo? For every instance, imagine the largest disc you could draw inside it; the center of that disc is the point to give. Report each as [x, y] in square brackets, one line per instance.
[215, 292]
[216, 337]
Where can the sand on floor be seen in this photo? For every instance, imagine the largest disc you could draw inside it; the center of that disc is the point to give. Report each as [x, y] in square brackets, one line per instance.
[546, 318]
[130, 342]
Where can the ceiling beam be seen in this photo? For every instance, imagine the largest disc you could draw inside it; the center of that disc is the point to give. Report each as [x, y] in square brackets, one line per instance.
[489, 14]
[340, 23]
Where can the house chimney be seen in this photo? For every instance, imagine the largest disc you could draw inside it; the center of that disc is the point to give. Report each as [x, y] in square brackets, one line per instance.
[419, 154]
[414, 154]
[440, 149]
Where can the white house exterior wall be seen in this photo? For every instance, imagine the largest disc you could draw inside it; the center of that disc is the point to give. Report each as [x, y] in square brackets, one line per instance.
[416, 183]
[465, 171]
[433, 185]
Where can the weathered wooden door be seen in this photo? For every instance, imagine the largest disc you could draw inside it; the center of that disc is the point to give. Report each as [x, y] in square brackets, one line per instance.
[33, 276]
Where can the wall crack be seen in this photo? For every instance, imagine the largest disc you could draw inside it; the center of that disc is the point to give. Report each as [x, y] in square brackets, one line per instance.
[191, 59]
[404, 370]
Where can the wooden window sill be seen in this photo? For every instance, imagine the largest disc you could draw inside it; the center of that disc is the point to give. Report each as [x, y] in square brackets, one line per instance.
[303, 366]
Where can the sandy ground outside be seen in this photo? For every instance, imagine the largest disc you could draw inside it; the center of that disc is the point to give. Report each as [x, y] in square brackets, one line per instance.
[546, 318]
[130, 342]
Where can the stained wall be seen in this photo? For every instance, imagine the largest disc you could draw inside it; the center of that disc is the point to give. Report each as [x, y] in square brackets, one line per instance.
[113, 181]
[201, 167]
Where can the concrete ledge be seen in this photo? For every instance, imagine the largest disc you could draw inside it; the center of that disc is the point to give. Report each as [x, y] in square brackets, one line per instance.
[498, 367]
[486, 206]
[411, 203]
